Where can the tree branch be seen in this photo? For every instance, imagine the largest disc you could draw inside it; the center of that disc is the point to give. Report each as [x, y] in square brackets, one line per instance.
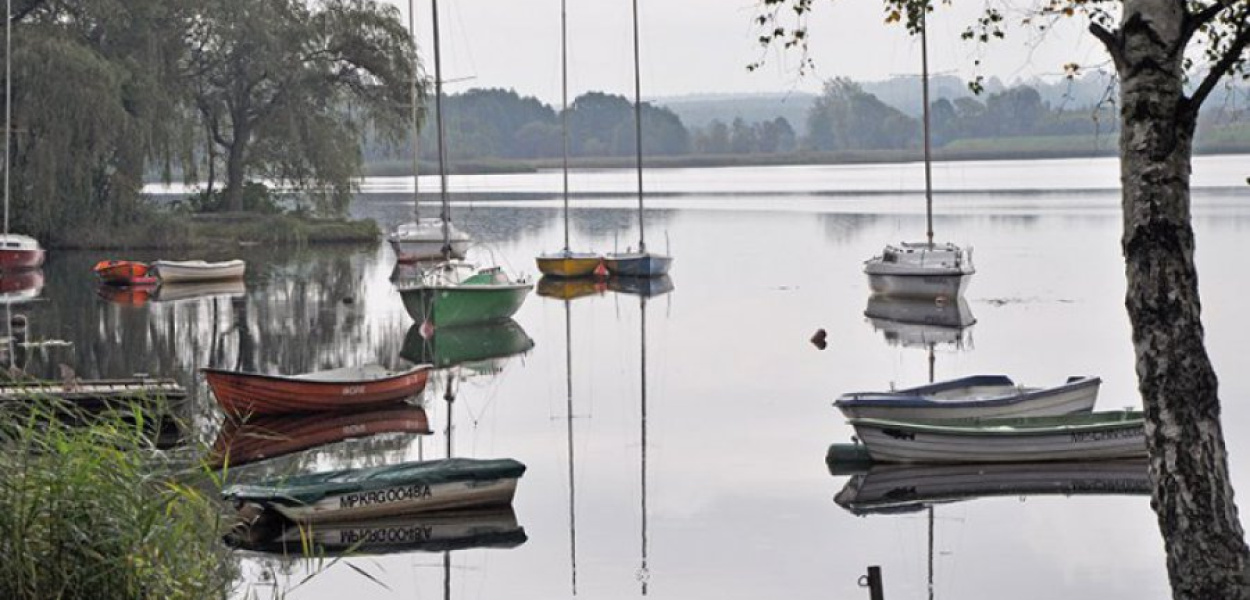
[1195, 21]
[1221, 68]
[1111, 41]
[24, 11]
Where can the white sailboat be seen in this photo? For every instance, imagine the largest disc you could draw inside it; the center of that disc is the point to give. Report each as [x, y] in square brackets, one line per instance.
[640, 262]
[922, 269]
[17, 252]
[453, 292]
[422, 237]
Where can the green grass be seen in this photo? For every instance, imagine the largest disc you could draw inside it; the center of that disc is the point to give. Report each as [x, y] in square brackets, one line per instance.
[88, 509]
[215, 230]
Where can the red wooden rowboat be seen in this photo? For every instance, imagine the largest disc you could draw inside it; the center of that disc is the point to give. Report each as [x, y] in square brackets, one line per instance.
[123, 272]
[18, 252]
[260, 438]
[350, 388]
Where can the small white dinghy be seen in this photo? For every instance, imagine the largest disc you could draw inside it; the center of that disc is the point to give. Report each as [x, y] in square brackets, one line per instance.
[977, 396]
[187, 271]
[1093, 436]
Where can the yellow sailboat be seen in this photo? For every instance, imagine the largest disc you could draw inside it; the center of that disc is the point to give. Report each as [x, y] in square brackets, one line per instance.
[566, 263]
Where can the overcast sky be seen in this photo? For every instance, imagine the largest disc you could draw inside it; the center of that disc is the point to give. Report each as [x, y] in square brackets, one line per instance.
[703, 46]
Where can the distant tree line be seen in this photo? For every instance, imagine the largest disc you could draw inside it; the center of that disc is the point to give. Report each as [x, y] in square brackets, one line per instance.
[501, 124]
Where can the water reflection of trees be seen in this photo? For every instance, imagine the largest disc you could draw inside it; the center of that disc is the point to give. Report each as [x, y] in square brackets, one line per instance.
[304, 309]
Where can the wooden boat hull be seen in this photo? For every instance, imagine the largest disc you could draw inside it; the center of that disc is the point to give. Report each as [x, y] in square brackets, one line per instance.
[1077, 395]
[253, 393]
[262, 438]
[123, 272]
[170, 271]
[568, 266]
[432, 532]
[461, 305]
[646, 264]
[892, 488]
[1078, 437]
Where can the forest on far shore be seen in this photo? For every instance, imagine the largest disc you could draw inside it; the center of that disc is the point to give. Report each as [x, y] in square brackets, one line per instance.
[491, 124]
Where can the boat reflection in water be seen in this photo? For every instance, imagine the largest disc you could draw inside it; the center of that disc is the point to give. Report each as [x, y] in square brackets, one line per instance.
[911, 322]
[431, 532]
[17, 287]
[884, 489]
[243, 441]
[647, 287]
[174, 292]
[477, 347]
[570, 289]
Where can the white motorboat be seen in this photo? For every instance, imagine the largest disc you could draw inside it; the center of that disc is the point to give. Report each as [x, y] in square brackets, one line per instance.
[187, 271]
[978, 396]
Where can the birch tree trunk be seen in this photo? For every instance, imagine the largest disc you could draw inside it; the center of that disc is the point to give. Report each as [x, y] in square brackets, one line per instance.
[1207, 556]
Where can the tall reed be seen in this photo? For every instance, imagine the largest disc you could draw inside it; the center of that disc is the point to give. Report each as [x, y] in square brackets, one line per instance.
[90, 509]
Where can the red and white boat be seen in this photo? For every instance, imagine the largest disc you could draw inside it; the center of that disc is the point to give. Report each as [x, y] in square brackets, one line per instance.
[349, 388]
[124, 272]
[19, 252]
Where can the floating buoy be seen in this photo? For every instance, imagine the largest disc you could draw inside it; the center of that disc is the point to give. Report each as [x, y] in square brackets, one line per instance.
[818, 339]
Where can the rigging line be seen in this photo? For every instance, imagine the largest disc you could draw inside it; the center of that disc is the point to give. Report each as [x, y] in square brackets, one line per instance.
[642, 244]
[416, 129]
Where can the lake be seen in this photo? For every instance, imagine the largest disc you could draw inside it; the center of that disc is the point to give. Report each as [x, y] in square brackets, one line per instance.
[721, 490]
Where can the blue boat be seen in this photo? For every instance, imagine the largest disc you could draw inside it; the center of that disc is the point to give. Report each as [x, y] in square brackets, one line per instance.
[978, 396]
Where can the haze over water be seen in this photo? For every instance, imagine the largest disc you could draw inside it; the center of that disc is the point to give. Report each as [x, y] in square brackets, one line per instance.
[739, 502]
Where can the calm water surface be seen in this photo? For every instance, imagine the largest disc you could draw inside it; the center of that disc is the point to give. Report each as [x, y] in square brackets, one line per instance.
[738, 501]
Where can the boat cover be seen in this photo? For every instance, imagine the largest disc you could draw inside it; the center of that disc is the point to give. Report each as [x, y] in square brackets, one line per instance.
[311, 488]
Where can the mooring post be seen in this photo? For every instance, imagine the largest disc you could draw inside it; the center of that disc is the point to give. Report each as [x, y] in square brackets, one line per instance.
[872, 581]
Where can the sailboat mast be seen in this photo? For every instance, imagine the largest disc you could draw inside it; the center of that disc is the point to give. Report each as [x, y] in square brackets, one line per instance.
[928, 146]
[642, 303]
[642, 243]
[930, 552]
[564, 112]
[568, 389]
[8, 104]
[445, 213]
[416, 114]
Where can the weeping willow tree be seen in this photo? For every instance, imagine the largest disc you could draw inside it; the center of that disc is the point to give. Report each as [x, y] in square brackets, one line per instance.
[1169, 56]
[285, 90]
[95, 102]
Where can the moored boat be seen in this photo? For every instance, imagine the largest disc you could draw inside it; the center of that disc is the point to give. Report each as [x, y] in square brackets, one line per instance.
[123, 272]
[457, 293]
[380, 492]
[19, 252]
[187, 271]
[243, 441]
[981, 396]
[637, 264]
[920, 270]
[348, 388]
[567, 263]
[422, 239]
[1092, 436]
